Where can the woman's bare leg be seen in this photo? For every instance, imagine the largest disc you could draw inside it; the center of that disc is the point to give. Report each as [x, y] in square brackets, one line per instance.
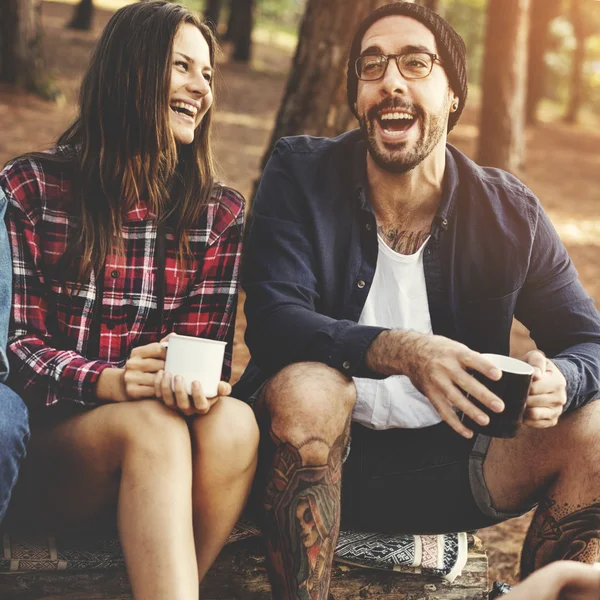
[225, 447]
[136, 455]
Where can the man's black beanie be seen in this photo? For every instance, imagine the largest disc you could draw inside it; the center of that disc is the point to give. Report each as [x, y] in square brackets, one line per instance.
[451, 48]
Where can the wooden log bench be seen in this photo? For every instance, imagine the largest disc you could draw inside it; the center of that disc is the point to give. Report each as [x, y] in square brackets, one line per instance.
[238, 574]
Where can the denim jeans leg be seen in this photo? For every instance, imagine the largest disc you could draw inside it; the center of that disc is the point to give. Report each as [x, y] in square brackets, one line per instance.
[14, 435]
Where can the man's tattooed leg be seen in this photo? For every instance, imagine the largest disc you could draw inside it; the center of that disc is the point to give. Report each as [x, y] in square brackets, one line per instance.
[302, 503]
[561, 531]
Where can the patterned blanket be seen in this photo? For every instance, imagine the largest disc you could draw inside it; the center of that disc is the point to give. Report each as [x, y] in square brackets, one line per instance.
[442, 555]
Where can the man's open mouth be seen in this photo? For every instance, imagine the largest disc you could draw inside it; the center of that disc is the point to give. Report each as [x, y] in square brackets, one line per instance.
[396, 122]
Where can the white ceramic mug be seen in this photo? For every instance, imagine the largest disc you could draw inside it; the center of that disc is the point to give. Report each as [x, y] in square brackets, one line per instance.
[195, 359]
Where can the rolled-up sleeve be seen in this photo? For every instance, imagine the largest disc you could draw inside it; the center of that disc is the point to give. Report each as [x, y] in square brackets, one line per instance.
[283, 278]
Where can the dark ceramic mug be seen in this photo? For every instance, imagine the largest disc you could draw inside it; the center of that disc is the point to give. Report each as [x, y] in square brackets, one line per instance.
[512, 388]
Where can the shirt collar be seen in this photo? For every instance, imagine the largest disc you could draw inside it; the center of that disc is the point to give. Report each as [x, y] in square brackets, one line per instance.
[449, 190]
[139, 212]
[449, 185]
[361, 184]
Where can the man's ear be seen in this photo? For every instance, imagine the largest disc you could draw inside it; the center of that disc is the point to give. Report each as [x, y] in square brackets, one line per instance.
[454, 102]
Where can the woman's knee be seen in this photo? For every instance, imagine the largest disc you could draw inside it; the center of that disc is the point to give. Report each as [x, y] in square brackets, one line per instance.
[150, 428]
[228, 433]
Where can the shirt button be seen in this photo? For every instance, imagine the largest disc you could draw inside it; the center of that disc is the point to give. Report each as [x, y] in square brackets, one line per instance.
[114, 274]
[445, 223]
[369, 226]
[361, 284]
[346, 364]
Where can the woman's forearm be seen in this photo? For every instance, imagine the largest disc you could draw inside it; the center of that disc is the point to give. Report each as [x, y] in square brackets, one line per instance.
[110, 386]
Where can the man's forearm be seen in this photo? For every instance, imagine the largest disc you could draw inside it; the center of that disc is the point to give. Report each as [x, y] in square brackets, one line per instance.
[391, 351]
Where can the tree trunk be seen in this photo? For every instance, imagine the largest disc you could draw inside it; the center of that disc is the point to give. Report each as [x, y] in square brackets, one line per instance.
[82, 16]
[212, 14]
[9, 15]
[501, 137]
[239, 30]
[315, 98]
[21, 55]
[542, 13]
[231, 22]
[576, 97]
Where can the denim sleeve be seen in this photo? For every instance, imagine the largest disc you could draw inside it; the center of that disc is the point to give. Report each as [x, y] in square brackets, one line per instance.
[560, 315]
[5, 288]
[281, 281]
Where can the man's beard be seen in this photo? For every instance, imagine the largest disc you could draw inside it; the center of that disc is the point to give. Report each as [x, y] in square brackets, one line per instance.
[399, 160]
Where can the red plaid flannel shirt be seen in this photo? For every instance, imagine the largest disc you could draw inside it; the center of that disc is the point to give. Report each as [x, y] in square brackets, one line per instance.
[50, 362]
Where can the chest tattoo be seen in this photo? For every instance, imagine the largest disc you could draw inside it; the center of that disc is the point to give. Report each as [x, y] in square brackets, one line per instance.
[400, 241]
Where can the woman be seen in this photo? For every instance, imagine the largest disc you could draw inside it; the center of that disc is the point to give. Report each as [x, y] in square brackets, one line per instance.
[119, 237]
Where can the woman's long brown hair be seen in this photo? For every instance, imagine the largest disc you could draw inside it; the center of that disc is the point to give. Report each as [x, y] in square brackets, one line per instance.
[124, 148]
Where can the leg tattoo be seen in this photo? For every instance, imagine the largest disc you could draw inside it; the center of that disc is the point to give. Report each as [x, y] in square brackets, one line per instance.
[562, 532]
[303, 514]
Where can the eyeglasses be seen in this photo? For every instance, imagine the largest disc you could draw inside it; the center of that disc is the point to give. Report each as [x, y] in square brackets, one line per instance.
[412, 65]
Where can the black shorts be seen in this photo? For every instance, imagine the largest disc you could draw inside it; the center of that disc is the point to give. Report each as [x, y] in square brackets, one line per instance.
[417, 481]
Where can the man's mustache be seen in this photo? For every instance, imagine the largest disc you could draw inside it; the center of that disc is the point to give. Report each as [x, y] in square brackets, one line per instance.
[393, 104]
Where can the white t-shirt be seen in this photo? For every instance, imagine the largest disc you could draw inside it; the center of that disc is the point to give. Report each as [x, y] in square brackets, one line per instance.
[398, 300]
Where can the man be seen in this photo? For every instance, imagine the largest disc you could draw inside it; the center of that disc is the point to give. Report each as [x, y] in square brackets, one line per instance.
[14, 430]
[379, 266]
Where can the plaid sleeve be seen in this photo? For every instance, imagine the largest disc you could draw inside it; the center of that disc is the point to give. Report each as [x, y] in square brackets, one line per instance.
[212, 305]
[41, 373]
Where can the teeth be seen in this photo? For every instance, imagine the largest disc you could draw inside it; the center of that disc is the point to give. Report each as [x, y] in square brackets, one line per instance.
[190, 108]
[393, 133]
[397, 115]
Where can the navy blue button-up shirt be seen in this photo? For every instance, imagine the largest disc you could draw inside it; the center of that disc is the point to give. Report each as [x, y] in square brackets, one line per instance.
[493, 254]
